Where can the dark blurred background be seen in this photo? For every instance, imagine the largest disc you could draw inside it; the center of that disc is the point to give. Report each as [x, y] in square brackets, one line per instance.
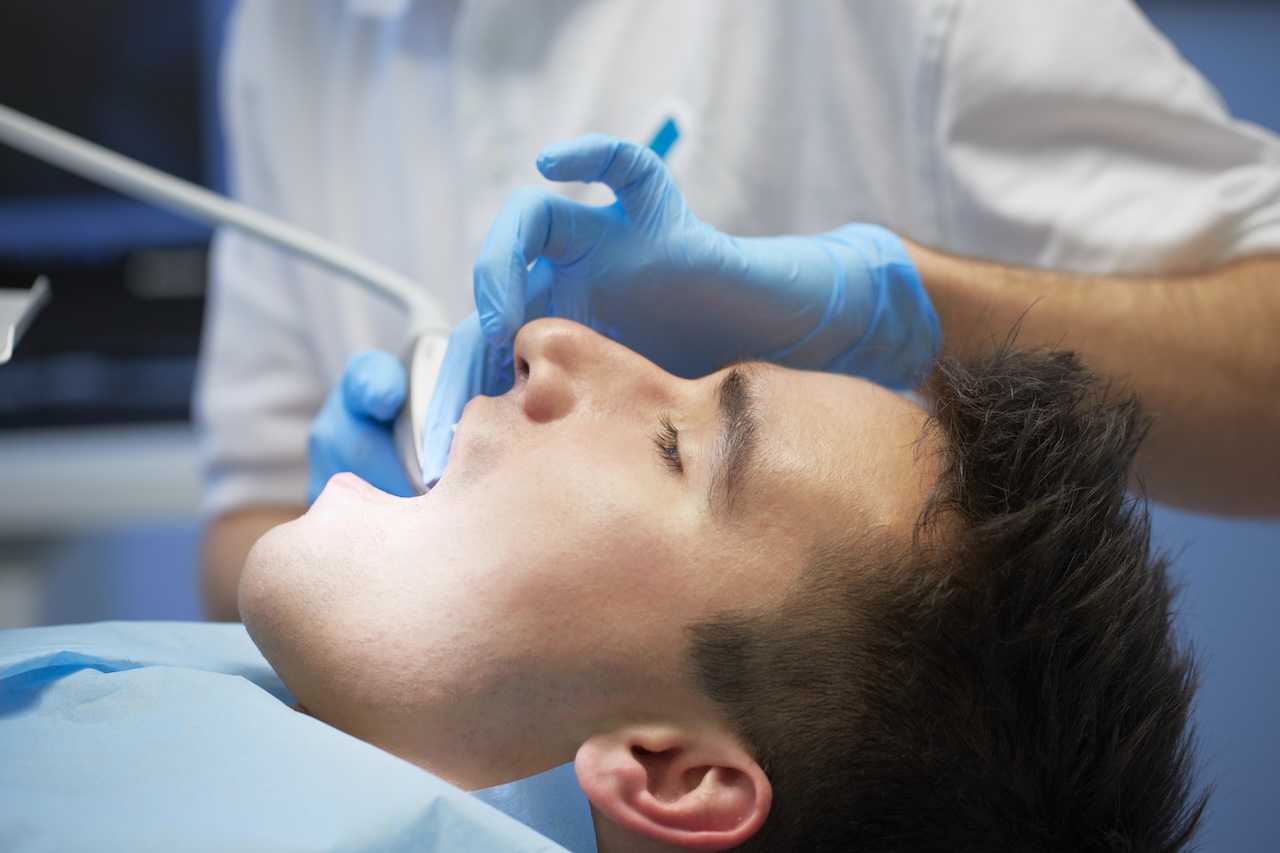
[98, 478]
[117, 344]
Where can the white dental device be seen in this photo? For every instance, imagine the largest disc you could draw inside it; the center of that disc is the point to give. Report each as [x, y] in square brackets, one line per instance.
[17, 309]
[423, 352]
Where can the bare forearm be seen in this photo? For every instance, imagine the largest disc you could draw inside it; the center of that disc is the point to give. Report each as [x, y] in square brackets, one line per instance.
[1203, 353]
[227, 542]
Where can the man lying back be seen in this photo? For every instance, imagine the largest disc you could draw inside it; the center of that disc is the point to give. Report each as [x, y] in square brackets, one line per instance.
[765, 609]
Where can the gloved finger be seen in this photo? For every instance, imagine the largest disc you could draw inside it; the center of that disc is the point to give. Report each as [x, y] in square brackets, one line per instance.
[470, 368]
[374, 385]
[635, 173]
[343, 440]
[533, 223]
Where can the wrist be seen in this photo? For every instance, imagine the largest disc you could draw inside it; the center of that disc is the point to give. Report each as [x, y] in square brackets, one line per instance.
[901, 335]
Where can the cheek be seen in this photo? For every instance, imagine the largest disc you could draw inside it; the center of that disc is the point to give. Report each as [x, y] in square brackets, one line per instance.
[594, 536]
[586, 490]
[614, 603]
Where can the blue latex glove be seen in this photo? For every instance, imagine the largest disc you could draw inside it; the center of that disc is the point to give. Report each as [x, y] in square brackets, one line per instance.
[647, 273]
[353, 431]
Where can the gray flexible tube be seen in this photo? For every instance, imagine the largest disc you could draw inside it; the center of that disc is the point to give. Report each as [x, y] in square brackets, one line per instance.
[106, 167]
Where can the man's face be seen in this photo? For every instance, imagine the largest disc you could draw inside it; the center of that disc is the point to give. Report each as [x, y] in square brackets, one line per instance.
[589, 516]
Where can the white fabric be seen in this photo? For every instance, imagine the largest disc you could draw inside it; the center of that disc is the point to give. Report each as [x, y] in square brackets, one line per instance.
[1060, 133]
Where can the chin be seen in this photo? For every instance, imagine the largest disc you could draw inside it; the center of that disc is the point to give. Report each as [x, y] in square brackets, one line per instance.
[268, 595]
[295, 598]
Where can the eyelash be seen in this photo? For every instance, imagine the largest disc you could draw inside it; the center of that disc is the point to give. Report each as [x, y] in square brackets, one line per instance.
[667, 440]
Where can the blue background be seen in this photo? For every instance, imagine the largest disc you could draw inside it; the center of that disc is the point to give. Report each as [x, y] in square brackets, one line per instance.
[1231, 569]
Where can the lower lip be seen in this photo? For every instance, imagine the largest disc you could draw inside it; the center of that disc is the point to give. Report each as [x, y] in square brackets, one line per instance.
[468, 412]
[470, 408]
[347, 480]
[347, 483]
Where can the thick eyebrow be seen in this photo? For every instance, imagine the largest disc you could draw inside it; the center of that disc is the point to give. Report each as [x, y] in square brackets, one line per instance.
[737, 434]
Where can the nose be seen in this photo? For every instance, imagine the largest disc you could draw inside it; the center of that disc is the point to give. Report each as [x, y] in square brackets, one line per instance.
[564, 365]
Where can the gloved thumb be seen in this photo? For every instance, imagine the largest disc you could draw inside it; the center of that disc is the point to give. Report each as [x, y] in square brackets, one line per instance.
[374, 385]
[352, 430]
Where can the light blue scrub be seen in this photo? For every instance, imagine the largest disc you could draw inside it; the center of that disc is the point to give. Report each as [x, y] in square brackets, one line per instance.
[178, 736]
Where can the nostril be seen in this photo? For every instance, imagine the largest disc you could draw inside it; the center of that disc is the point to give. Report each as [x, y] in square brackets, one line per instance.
[522, 368]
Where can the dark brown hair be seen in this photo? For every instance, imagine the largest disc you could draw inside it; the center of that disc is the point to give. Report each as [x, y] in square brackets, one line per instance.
[1010, 679]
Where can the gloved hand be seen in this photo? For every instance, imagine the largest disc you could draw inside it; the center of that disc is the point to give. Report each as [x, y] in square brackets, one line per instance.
[353, 431]
[647, 273]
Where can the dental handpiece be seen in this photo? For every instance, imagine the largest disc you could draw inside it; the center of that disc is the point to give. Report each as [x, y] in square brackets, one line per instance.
[428, 336]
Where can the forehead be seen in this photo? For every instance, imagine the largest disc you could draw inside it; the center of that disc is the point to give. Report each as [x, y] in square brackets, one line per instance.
[837, 451]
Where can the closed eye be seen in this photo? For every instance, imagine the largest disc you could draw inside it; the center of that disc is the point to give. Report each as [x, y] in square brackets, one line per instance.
[667, 440]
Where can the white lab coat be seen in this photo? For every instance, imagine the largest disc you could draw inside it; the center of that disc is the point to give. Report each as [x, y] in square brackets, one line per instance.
[1062, 133]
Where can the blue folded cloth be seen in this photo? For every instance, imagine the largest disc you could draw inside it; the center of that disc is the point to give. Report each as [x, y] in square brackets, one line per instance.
[179, 736]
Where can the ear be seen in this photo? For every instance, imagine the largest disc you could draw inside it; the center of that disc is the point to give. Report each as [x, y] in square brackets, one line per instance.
[692, 790]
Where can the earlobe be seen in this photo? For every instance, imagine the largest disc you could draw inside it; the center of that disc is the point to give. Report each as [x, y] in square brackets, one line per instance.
[699, 791]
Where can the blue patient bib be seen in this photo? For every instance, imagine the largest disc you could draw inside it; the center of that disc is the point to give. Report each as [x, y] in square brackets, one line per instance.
[551, 803]
[179, 736]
